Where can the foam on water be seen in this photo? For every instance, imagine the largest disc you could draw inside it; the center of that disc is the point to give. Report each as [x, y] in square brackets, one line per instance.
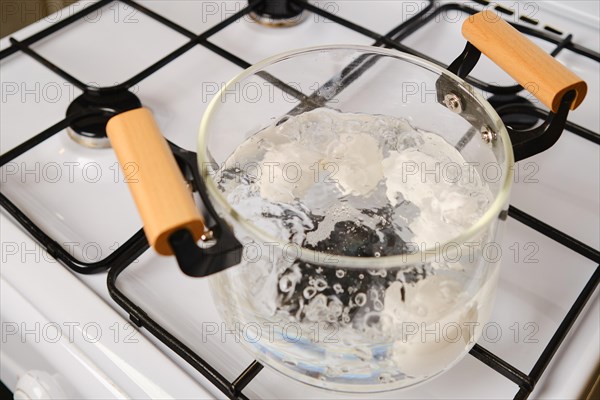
[299, 178]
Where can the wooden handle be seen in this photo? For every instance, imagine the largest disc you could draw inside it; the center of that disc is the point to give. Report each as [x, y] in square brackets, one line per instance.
[156, 182]
[534, 69]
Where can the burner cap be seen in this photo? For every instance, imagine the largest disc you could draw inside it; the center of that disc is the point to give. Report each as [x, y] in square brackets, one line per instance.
[515, 111]
[97, 107]
[277, 13]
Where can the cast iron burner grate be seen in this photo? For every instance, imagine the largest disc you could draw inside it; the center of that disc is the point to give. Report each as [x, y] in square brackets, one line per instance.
[84, 120]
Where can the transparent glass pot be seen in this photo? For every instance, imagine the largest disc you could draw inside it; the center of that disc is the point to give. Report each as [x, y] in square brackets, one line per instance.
[357, 311]
[377, 321]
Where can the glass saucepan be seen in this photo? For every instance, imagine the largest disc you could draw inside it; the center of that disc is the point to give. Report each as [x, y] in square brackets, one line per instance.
[358, 195]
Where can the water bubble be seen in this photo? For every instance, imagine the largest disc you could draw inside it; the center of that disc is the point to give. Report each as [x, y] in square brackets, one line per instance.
[320, 284]
[377, 272]
[377, 254]
[340, 273]
[360, 299]
[309, 292]
[286, 284]
[337, 288]
[361, 276]
[377, 305]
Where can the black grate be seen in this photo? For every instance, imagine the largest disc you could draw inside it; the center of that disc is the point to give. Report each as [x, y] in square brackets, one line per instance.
[121, 258]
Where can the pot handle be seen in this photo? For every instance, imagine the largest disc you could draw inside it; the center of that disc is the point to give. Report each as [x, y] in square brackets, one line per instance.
[154, 178]
[534, 69]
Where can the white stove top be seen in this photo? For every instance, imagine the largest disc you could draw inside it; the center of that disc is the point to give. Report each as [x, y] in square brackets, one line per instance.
[77, 196]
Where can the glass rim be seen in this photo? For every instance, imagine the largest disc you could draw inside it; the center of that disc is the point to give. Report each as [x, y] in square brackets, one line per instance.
[333, 260]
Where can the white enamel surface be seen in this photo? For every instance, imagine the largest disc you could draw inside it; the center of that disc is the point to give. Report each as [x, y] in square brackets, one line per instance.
[562, 190]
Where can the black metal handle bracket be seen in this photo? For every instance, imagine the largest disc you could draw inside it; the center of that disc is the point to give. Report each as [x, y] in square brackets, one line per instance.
[526, 142]
[195, 260]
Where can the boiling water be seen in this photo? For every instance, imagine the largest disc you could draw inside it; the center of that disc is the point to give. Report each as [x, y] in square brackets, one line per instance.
[301, 178]
[363, 186]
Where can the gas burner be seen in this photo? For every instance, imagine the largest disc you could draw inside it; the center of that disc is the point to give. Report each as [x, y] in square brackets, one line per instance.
[95, 108]
[277, 14]
[509, 108]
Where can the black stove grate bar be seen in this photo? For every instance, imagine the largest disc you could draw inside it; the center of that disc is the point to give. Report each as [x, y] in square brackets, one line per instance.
[203, 41]
[502, 367]
[246, 377]
[52, 247]
[163, 20]
[46, 63]
[560, 334]
[156, 66]
[570, 126]
[555, 234]
[55, 250]
[199, 39]
[55, 27]
[406, 29]
[141, 319]
[411, 23]
[35, 140]
[137, 244]
[578, 130]
[43, 239]
[195, 40]
[381, 39]
[525, 382]
[231, 57]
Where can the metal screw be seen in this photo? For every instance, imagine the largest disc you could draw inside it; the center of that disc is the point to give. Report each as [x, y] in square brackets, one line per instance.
[453, 103]
[487, 134]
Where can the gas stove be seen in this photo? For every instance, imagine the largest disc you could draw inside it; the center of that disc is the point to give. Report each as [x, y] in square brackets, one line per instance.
[87, 311]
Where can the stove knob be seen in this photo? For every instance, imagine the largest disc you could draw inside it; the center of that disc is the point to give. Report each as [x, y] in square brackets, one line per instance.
[34, 385]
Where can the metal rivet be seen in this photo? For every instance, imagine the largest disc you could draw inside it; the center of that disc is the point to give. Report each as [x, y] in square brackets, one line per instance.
[487, 134]
[208, 235]
[453, 103]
